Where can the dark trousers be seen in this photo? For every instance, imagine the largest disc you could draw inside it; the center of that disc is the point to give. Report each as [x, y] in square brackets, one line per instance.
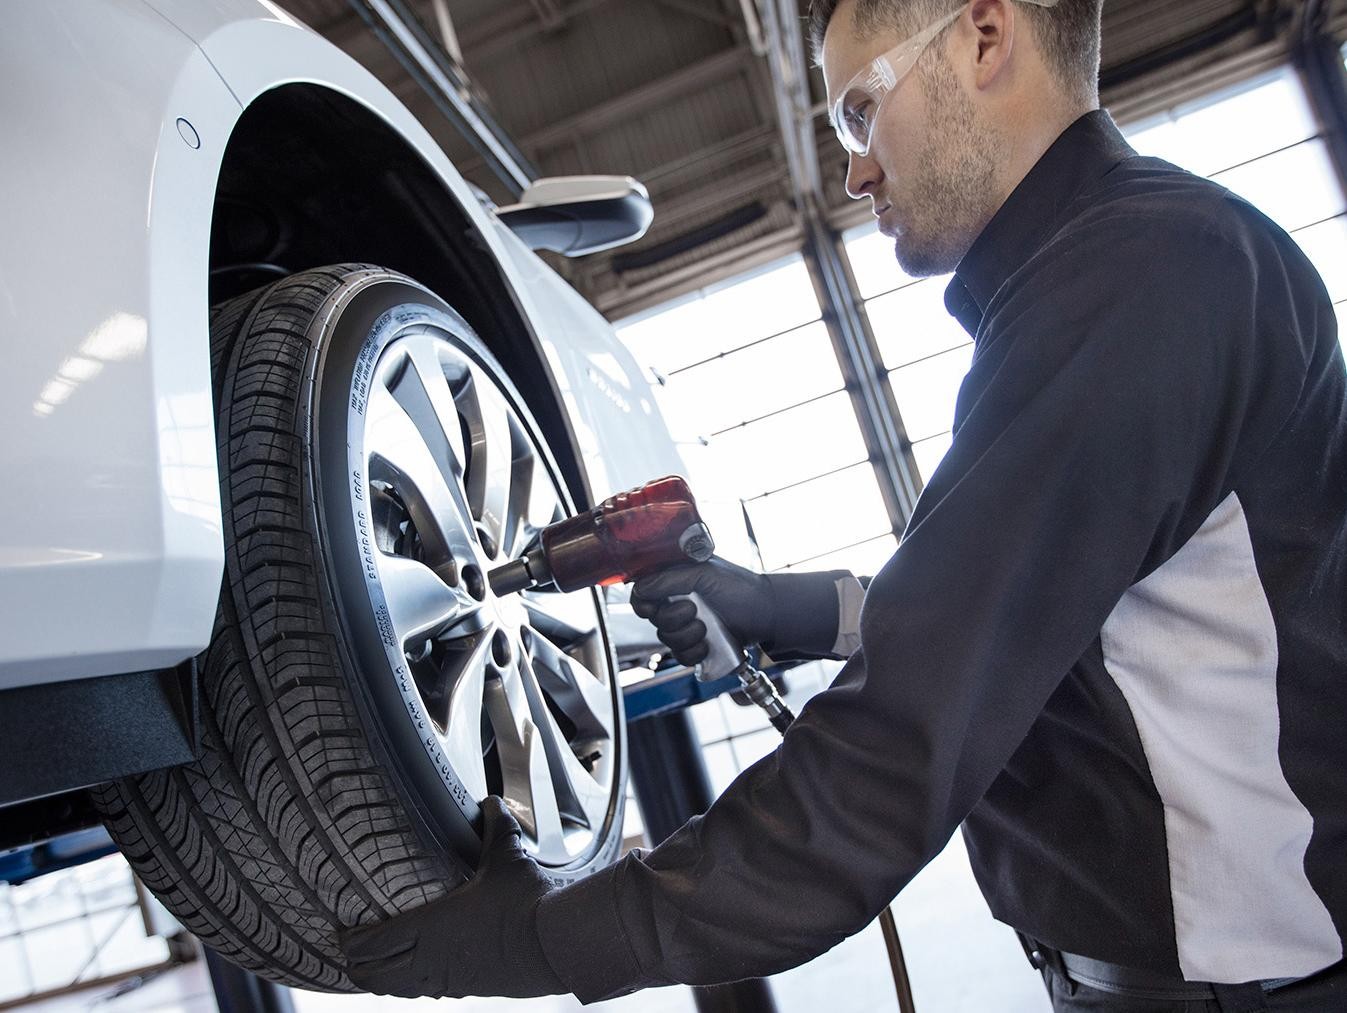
[1325, 992]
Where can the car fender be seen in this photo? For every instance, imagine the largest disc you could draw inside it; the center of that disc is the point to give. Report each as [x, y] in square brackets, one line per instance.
[622, 438]
[111, 553]
[110, 539]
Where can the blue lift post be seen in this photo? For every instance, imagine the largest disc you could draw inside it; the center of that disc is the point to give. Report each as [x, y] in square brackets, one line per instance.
[672, 785]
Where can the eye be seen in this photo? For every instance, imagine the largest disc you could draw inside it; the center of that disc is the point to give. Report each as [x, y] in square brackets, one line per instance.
[857, 116]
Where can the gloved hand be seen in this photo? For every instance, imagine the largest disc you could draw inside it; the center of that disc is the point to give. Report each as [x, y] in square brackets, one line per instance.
[481, 939]
[787, 613]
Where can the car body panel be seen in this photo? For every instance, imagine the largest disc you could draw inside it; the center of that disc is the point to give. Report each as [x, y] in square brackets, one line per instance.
[111, 550]
[110, 541]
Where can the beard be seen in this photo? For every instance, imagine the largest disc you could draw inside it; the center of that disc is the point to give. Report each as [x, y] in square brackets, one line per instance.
[951, 193]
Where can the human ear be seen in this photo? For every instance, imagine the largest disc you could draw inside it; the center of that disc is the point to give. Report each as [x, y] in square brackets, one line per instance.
[995, 24]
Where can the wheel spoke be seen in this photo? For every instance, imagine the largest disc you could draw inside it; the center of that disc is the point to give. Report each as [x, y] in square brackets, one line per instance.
[420, 604]
[533, 505]
[432, 498]
[579, 795]
[562, 618]
[527, 781]
[464, 672]
[581, 695]
[431, 405]
[491, 457]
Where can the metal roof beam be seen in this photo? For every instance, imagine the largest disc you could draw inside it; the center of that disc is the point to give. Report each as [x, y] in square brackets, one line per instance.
[696, 10]
[712, 158]
[790, 81]
[631, 104]
[447, 85]
[550, 14]
[515, 25]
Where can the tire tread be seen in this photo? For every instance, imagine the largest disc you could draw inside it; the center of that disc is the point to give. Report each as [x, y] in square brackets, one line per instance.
[287, 827]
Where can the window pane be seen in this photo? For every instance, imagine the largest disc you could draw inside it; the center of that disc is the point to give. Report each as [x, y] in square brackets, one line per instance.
[873, 262]
[730, 315]
[1326, 245]
[798, 444]
[817, 517]
[1266, 114]
[930, 452]
[753, 382]
[757, 407]
[926, 391]
[863, 560]
[720, 764]
[765, 303]
[675, 335]
[913, 323]
[1294, 188]
[14, 983]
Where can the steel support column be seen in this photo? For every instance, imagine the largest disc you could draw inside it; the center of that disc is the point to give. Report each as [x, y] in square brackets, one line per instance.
[240, 991]
[1318, 57]
[867, 381]
[863, 369]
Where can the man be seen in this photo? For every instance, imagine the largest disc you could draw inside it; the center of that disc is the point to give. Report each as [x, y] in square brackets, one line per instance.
[1112, 643]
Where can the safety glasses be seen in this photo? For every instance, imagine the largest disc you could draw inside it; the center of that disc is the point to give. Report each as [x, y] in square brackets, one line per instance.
[857, 107]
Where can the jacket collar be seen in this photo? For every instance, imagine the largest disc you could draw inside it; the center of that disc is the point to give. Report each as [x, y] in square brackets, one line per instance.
[1086, 152]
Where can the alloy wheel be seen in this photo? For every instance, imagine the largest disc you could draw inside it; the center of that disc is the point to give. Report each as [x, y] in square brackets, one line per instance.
[511, 695]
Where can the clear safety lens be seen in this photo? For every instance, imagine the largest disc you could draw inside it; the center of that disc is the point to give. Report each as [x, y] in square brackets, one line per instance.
[857, 107]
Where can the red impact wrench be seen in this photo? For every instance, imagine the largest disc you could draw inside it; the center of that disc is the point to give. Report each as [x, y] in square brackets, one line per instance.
[629, 536]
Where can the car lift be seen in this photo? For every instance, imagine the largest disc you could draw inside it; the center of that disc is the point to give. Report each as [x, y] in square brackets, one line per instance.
[672, 785]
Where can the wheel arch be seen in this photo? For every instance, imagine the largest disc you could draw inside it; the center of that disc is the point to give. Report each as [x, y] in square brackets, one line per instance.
[311, 177]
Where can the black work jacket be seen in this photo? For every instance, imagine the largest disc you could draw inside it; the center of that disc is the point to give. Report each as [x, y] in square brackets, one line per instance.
[1111, 643]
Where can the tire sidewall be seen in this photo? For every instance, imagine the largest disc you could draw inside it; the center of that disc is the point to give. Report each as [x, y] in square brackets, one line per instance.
[356, 323]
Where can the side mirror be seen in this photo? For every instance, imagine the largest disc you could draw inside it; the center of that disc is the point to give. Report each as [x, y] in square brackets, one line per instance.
[575, 215]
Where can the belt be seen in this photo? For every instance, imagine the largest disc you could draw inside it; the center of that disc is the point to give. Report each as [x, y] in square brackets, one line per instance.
[1139, 984]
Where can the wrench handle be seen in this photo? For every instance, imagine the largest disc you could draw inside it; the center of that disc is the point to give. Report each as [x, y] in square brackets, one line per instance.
[725, 655]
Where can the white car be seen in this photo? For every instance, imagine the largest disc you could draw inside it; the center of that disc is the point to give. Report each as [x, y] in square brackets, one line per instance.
[280, 390]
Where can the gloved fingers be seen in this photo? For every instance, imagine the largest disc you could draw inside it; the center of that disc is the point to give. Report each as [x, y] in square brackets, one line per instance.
[683, 638]
[377, 942]
[381, 975]
[675, 580]
[693, 655]
[501, 834]
[674, 614]
[646, 607]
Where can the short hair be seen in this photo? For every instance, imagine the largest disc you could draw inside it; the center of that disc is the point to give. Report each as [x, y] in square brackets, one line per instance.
[1068, 34]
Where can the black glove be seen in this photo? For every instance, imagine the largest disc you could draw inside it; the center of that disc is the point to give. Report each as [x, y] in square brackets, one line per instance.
[787, 613]
[481, 940]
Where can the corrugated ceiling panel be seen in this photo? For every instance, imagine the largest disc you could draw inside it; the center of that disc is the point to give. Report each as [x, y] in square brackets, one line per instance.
[1135, 27]
[599, 55]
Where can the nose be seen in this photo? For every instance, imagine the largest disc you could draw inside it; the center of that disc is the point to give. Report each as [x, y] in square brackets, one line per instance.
[863, 175]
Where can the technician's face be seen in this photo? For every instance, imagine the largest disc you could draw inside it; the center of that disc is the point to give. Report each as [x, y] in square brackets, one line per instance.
[928, 171]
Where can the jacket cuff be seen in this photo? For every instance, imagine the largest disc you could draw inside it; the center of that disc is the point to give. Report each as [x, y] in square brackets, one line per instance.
[581, 932]
[850, 598]
[807, 613]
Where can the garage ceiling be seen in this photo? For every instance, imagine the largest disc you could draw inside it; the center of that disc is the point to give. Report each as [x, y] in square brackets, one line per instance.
[679, 94]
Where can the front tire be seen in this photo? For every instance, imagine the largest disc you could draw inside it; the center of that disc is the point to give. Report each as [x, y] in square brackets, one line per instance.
[364, 689]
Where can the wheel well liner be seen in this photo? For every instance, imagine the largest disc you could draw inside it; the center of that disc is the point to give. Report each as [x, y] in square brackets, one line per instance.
[311, 177]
